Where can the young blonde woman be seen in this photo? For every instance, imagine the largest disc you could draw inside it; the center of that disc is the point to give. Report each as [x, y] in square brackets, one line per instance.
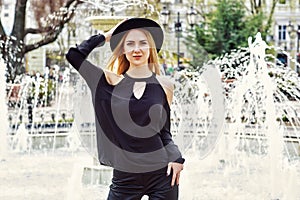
[132, 111]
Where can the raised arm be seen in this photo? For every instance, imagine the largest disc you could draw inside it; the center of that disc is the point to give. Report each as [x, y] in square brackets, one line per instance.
[76, 55]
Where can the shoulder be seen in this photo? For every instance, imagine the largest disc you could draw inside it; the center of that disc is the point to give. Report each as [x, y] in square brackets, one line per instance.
[112, 78]
[168, 86]
[166, 82]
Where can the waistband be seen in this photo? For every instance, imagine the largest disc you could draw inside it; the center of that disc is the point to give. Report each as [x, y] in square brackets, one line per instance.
[159, 171]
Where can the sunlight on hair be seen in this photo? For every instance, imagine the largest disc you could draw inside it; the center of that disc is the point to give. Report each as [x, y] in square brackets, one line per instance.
[115, 66]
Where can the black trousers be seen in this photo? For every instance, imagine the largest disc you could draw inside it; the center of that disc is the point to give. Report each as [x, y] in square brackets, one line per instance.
[133, 186]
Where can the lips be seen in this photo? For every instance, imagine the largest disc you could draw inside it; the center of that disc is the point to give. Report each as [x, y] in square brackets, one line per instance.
[137, 56]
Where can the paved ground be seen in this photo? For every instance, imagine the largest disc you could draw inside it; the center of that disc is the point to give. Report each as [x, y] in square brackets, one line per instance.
[56, 176]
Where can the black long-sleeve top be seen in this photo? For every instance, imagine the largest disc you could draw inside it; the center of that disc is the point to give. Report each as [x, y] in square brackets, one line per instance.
[133, 135]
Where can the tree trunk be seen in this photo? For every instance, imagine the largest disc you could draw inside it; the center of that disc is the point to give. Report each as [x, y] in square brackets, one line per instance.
[15, 60]
[19, 23]
[13, 48]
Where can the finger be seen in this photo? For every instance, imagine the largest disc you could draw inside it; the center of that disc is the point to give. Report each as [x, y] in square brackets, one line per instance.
[169, 169]
[107, 37]
[173, 179]
[110, 32]
[177, 178]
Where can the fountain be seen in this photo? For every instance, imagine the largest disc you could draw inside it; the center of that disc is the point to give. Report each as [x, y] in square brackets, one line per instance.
[22, 141]
[243, 135]
[39, 111]
[255, 147]
[3, 114]
[228, 123]
[236, 122]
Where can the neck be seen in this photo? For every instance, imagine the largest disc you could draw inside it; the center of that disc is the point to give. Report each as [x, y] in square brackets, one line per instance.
[139, 72]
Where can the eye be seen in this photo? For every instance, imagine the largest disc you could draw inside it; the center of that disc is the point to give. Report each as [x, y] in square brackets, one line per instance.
[144, 42]
[130, 43]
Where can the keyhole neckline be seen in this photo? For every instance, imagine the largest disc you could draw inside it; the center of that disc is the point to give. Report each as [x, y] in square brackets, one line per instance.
[139, 79]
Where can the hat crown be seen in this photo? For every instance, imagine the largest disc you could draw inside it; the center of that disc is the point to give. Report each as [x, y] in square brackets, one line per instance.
[133, 23]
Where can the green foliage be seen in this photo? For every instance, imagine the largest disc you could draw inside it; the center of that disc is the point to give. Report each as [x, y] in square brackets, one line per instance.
[70, 120]
[200, 55]
[226, 23]
[285, 119]
[226, 28]
[254, 24]
[43, 98]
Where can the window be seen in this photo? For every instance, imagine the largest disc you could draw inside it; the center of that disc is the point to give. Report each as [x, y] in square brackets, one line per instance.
[282, 32]
[6, 14]
[282, 58]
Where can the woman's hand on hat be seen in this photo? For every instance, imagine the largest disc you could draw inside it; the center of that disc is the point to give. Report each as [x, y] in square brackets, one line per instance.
[109, 33]
[176, 169]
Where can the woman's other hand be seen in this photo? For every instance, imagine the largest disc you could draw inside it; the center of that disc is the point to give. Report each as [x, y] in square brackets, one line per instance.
[176, 169]
[109, 33]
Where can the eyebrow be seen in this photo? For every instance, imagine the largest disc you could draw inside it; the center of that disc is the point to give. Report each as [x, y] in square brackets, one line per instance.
[134, 41]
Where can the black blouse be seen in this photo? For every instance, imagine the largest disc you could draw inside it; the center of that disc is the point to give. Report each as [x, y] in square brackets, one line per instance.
[133, 135]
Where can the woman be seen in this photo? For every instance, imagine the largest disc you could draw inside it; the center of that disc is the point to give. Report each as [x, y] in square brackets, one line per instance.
[132, 109]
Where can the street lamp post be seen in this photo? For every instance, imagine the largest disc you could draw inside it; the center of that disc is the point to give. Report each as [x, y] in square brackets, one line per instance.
[298, 38]
[178, 30]
[291, 31]
[191, 18]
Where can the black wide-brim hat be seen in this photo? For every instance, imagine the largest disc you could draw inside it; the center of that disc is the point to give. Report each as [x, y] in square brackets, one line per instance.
[153, 27]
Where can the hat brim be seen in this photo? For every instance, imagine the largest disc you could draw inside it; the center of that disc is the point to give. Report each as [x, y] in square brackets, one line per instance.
[134, 23]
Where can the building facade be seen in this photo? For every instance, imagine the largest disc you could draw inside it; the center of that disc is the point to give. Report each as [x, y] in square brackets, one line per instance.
[285, 31]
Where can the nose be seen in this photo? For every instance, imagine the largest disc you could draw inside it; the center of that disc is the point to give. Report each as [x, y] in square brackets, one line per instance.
[137, 48]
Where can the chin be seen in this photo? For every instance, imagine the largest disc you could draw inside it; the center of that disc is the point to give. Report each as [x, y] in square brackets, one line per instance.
[138, 64]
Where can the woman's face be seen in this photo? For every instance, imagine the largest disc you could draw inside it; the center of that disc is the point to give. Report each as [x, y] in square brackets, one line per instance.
[136, 48]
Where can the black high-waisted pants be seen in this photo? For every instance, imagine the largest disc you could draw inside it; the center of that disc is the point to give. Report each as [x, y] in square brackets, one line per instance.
[133, 186]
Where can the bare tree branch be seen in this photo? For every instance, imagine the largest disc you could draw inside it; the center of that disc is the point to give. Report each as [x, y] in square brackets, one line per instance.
[37, 30]
[12, 47]
[69, 2]
[270, 19]
[252, 2]
[54, 31]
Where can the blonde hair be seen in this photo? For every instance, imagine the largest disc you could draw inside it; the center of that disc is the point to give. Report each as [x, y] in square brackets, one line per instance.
[123, 64]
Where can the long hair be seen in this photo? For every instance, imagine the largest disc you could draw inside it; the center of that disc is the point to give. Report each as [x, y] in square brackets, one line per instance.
[119, 59]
